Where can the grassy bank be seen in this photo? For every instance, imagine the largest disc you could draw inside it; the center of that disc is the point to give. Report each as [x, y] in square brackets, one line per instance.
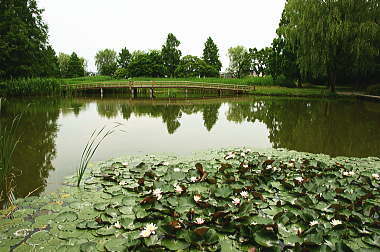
[263, 86]
[225, 200]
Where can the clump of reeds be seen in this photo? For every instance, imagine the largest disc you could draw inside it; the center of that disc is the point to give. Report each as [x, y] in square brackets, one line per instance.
[8, 143]
[92, 145]
[32, 87]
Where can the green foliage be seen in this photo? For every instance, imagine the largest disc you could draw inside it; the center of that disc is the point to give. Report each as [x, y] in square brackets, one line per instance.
[211, 54]
[106, 62]
[71, 66]
[260, 61]
[31, 87]
[120, 73]
[240, 61]
[75, 67]
[24, 50]
[192, 66]
[146, 64]
[331, 35]
[171, 55]
[124, 58]
[374, 89]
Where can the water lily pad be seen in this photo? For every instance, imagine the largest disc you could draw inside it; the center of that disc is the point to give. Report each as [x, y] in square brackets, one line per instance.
[66, 217]
[174, 245]
[39, 238]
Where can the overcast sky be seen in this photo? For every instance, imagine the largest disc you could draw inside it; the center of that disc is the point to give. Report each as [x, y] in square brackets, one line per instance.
[86, 26]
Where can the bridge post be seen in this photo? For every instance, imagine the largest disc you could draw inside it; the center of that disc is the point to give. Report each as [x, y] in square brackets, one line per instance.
[220, 92]
[134, 92]
[101, 93]
[151, 93]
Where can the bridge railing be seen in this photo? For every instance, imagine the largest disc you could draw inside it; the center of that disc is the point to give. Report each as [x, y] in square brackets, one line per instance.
[159, 84]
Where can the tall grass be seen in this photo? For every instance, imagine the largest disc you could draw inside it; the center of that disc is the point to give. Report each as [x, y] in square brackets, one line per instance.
[31, 87]
[86, 79]
[8, 143]
[92, 145]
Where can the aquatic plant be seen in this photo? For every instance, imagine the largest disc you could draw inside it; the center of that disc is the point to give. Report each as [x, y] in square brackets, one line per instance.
[8, 143]
[132, 205]
[31, 86]
[89, 150]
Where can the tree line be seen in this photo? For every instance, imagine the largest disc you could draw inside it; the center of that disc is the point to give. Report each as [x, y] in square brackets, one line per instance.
[317, 41]
[166, 62]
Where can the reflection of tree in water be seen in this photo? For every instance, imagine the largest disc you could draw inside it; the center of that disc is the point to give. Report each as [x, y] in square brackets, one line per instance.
[170, 113]
[330, 127]
[210, 115]
[36, 149]
[108, 110]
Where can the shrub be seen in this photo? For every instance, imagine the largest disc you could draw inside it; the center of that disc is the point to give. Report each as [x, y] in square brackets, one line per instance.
[120, 73]
[31, 87]
[374, 89]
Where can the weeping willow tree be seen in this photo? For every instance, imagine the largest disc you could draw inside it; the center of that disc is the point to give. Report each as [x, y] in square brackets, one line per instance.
[329, 34]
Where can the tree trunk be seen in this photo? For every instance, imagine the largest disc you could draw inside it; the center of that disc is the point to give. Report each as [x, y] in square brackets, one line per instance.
[332, 81]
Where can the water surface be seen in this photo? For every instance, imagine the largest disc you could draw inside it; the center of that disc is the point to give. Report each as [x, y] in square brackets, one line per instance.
[53, 132]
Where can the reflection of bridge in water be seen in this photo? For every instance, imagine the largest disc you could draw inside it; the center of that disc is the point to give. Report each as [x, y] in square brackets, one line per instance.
[152, 85]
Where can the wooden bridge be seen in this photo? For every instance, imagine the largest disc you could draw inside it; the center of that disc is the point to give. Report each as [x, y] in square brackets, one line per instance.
[135, 85]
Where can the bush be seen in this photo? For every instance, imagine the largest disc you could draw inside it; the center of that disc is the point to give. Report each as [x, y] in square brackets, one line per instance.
[120, 73]
[374, 89]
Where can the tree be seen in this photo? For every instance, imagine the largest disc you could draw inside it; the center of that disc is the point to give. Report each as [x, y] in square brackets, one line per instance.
[171, 55]
[23, 40]
[211, 54]
[106, 62]
[75, 66]
[146, 64]
[239, 61]
[324, 34]
[192, 66]
[124, 58]
[260, 61]
[283, 60]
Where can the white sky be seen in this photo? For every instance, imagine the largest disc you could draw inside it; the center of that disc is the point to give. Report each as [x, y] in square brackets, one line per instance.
[86, 26]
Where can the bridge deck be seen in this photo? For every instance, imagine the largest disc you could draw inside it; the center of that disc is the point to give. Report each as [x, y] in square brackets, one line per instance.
[159, 84]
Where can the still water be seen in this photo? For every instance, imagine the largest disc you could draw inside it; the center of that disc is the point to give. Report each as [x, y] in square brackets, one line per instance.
[53, 132]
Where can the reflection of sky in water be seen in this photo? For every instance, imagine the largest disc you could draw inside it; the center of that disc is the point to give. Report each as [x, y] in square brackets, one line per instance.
[144, 134]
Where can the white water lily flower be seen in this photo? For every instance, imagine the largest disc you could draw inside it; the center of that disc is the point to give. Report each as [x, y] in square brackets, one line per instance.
[159, 196]
[313, 223]
[245, 165]
[293, 160]
[177, 169]
[123, 183]
[197, 198]
[125, 164]
[242, 154]
[248, 150]
[348, 174]
[165, 163]
[236, 201]
[376, 176]
[22, 232]
[335, 222]
[145, 233]
[178, 189]
[244, 194]
[299, 179]
[193, 179]
[269, 167]
[157, 192]
[199, 221]
[151, 228]
[117, 225]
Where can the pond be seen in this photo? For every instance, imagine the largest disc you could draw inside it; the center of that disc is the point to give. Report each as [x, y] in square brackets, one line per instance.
[53, 132]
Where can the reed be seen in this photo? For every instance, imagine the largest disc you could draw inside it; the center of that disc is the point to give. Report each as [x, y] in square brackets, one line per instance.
[8, 143]
[96, 138]
[31, 87]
